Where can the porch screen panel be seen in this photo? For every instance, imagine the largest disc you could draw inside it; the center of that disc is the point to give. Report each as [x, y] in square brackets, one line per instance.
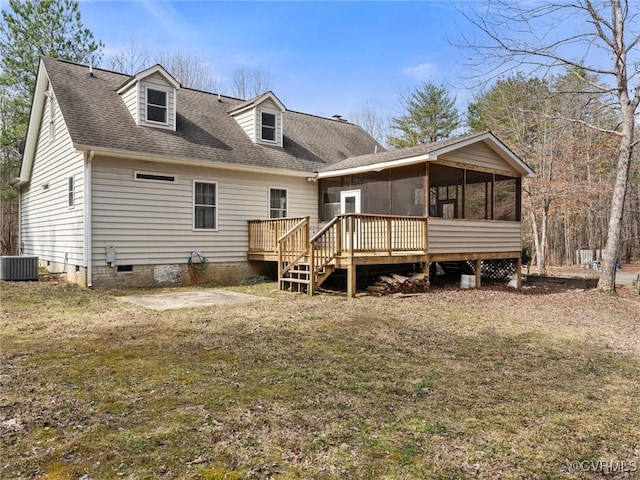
[330, 189]
[506, 192]
[445, 187]
[375, 188]
[477, 195]
[407, 190]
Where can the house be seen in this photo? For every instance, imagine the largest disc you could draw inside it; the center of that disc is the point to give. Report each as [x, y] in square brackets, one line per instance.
[136, 181]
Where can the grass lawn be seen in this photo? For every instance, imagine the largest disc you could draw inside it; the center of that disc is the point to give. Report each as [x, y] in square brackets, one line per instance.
[452, 384]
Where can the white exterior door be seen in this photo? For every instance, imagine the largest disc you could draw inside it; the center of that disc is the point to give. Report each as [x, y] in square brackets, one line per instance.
[350, 203]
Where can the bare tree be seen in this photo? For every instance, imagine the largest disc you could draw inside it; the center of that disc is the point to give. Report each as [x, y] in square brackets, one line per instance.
[131, 58]
[250, 82]
[518, 34]
[190, 69]
[370, 117]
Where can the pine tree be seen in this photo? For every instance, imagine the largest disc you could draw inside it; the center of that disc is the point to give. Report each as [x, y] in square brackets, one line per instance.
[430, 115]
[28, 30]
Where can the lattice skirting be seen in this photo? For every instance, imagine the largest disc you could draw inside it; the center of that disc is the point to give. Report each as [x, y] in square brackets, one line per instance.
[500, 270]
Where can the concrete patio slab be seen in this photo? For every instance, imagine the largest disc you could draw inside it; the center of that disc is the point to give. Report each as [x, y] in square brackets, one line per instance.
[175, 300]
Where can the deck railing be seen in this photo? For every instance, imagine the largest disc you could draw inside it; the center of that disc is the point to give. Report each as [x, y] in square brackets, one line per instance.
[349, 233]
[369, 233]
[264, 234]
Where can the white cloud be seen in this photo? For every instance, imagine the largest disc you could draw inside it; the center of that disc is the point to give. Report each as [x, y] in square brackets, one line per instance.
[421, 72]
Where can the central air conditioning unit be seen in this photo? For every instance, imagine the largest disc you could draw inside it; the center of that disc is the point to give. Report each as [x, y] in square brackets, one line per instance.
[14, 268]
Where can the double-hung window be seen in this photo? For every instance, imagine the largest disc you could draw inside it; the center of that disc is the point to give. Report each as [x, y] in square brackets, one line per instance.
[268, 126]
[205, 206]
[156, 105]
[277, 203]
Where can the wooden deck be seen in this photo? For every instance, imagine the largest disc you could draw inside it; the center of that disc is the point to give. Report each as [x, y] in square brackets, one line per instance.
[366, 239]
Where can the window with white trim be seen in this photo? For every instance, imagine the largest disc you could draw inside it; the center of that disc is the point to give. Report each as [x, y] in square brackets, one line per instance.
[71, 192]
[205, 205]
[277, 203]
[268, 122]
[157, 105]
[52, 118]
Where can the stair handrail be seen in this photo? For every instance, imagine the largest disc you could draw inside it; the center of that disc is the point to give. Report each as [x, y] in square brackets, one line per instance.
[327, 255]
[288, 257]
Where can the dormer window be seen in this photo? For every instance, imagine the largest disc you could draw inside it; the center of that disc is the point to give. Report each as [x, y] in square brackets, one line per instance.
[268, 127]
[262, 119]
[156, 105]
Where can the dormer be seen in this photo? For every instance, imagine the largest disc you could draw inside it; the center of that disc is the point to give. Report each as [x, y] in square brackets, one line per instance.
[261, 118]
[151, 97]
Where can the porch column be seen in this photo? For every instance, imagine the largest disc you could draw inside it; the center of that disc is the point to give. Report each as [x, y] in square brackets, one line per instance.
[519, 273]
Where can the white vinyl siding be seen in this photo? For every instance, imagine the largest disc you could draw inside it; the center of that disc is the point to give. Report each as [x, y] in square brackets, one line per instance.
[473, 236]
[48, 227]
[157, 82]
[152, 222]
[130, 98]
[479, 155]
[247, 120]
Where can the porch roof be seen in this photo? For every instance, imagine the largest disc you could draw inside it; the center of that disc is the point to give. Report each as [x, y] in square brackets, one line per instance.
[422, 153]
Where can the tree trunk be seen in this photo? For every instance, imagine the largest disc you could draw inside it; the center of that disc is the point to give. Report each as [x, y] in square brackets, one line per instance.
[606, 283]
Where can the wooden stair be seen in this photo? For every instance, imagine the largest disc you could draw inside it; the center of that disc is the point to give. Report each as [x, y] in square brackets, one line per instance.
[304, 263]
[300, 279]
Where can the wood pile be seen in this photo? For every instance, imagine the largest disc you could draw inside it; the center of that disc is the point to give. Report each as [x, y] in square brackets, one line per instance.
[399, 285]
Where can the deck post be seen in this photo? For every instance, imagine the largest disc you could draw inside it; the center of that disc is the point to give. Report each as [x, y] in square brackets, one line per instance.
[312, 268]
[351, 280]
[425, 236]
[478, 273]
[351, 234]
[519, 273]
[426, 269]
[389, 236]
[339, 236]
[276, 231]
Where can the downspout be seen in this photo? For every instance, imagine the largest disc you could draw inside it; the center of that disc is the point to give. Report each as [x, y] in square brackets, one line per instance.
[87, 215]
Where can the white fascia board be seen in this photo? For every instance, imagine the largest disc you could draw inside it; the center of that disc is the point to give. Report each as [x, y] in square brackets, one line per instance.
[259, 100]
[376, 167]
[33, 130]
[233, 113]
[100, 151]
[161, 70]
[145, 73]
[127, 85]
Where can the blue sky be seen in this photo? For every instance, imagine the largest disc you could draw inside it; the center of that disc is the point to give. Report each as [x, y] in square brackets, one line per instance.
[323, 58]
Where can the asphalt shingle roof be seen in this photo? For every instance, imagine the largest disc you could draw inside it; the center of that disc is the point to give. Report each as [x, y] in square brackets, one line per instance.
[391, 155]
[96, 116]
